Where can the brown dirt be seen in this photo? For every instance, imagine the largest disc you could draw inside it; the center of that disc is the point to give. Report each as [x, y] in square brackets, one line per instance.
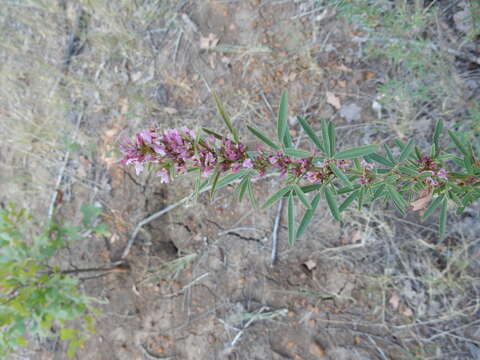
[314, 303]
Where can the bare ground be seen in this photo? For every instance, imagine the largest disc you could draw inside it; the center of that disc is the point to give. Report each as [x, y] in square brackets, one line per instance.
[200, 284]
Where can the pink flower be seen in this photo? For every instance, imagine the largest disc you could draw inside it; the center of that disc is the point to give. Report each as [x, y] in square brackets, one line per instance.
[189, 133]
[236, 166]
[247, 163]
[366, 165]
[315, 177]
[164, 175]
[442, 174]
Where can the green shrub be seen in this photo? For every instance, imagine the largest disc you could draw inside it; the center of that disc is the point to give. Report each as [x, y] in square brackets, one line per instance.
[38, 299]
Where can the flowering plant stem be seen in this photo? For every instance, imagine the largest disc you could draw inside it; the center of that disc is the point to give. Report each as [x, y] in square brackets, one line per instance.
[403, 175]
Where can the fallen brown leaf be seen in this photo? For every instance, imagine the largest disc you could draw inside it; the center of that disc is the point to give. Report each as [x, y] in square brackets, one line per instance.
[317, 350]
[333, 100]
[422, 202]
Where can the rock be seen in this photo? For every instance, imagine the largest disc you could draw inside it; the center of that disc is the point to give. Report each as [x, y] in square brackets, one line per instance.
[351, 112]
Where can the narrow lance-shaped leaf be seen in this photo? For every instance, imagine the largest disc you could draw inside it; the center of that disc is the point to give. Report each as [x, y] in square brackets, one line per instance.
[250, 193]
[225, 117]
[291, 220]
[380, 159]
[339, 173]
[332, 203]
[214, 180]
[458, 142]
[389, 153]
[348, 189]
[443, 218]
[349, 200]
[379, 192]
[397, 198]
[242, 188]
[296, 153]
[356, 152]
[433, 205]
[326, 138]
[301, 195]
[213, 133]
[332, 137]
[310, 133]
[227, 179]
[276, 196]
[400, 144]
[263, 138]
[307, 217]
[287, 140]
[310, 188]
[438, 131]
[407, 151]
[282, 117]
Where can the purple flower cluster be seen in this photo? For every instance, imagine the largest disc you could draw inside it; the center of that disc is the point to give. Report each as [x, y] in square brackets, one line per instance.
[142, 150]
[174, 151]
[428, 165]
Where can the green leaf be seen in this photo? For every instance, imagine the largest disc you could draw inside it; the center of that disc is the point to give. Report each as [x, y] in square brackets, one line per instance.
[307, 217]
[407, 151]
[250, 193]
[199, 186]
[400, 144]
[282, 117]
[332, 203]
[21, 341]
[397, 198]
[339, 173]
[407, 171]
[438, 131]
[276, 196]
[332, 137]
[287, 140]
[443, 218]
[356, 152]
[326, 138]
[89, 212]
[291, 220]
[349, 200]
[380, 159]
[346, 190]
[228, 179]
[389, 153]
[433, 205]
[263, 138]
[459, 143]
[296, 153]
[242, 188]
[301, 195]
[68, 333]
[310, 188]
[224, 116]
[213, 133]
[310, 133]
[73, 347]
[361, 196]
[469, 163]
[379, 192]
[214, 180]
